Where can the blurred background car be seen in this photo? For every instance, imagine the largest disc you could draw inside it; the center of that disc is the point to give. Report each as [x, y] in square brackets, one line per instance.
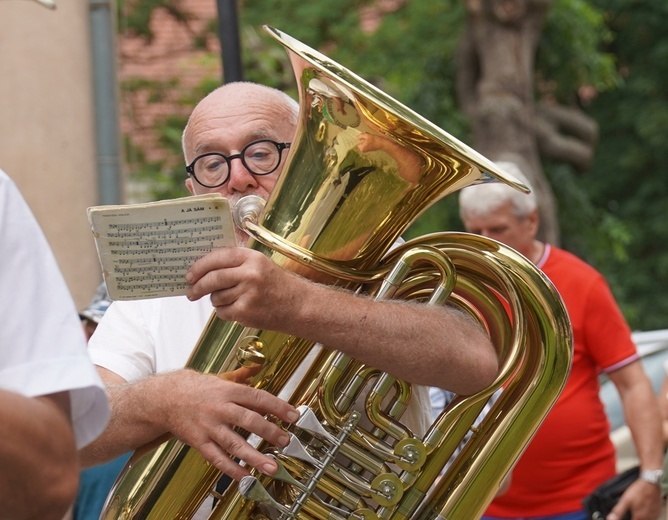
[653, 350]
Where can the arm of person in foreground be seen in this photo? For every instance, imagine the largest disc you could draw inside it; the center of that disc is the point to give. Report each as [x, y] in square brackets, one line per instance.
[199, 409]
[39, 470]
[644, 420]
[428, 345]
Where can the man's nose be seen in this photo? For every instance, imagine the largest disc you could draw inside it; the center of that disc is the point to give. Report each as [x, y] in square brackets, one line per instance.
[241, 180]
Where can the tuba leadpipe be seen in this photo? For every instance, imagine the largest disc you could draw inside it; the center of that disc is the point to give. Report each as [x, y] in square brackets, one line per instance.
[361, 169]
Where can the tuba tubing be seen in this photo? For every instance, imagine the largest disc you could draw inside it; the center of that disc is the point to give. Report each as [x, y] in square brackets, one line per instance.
[361, 169]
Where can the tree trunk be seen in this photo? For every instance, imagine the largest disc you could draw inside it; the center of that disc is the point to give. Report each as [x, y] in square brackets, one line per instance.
[495, 86]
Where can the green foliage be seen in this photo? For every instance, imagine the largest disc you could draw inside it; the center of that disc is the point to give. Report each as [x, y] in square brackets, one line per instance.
[136, 15]
[164, 177]
[593, 233]
[628, 176]
[156, 91]
[570, 53]
[165, 181]
[612, 216]
[409, 57]
[408, 46]
[265, 62]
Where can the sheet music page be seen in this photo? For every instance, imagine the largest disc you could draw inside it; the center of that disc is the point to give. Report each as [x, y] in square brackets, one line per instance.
[146, 249]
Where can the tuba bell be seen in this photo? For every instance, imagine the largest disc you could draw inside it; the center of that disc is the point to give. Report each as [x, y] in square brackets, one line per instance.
[361, 169]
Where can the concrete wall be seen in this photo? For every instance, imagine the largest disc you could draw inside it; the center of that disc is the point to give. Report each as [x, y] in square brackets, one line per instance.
[47, 140]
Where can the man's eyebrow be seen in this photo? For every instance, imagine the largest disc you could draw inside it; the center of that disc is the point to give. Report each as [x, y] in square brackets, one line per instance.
[255, 136]
[205, 147]
[262, 133]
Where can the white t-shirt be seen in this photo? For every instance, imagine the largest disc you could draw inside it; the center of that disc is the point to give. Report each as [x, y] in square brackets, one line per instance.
[42, 344]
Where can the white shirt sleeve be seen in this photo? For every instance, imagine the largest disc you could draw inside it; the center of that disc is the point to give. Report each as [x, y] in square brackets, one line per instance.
[123, 343]
[42, 344]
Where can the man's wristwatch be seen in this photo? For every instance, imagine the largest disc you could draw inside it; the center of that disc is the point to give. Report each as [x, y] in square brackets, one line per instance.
[653, 476]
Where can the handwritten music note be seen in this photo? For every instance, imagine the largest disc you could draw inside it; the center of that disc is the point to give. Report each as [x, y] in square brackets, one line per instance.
[146, 249]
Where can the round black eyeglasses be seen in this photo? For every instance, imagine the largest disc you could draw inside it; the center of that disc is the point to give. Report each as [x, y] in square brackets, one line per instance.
[212, 169]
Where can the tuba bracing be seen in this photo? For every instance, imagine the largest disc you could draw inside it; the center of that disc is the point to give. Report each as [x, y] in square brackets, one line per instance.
[362, 167]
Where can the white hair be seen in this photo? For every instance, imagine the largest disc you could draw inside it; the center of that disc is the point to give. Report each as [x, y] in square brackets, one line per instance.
[483, 199]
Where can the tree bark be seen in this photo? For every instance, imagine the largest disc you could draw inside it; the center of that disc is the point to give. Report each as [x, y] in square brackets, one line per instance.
[495, 82]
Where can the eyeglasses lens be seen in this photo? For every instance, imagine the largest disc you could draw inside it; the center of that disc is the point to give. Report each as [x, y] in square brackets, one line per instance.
[259, 158]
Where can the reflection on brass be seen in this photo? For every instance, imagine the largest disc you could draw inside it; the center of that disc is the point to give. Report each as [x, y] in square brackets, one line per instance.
[251, 353]
[361, 169]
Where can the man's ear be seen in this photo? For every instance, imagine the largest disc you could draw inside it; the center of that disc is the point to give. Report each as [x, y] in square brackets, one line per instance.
[189, 185]
[533, 221]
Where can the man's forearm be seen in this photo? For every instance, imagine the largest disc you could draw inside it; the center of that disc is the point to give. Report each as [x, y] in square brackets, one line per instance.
[429, 345]
[38, 464]
[134, 422]
[645, 425]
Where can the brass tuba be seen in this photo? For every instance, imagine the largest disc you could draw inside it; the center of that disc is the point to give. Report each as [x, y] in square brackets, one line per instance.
[362, 167]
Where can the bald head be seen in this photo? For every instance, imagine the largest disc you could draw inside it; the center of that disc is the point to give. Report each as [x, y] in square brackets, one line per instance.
[237, 107]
